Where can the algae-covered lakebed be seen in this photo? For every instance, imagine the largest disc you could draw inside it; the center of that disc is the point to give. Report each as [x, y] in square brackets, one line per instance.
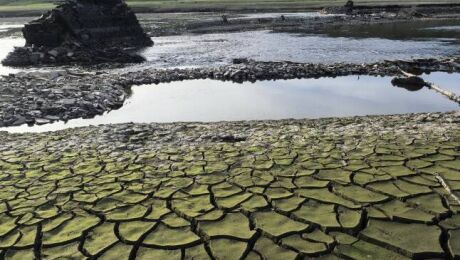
[336, 188]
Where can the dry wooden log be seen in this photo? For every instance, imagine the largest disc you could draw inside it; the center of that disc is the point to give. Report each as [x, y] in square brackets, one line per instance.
[450, 95]
[447, 188]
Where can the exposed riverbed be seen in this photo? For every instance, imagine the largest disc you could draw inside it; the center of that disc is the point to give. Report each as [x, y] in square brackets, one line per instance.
[220, 49]
[340, 187]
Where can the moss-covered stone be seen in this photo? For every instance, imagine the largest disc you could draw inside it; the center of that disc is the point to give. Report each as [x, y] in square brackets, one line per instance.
[127, 213]
[397, 210]
[304, 246]
[145, 253]
[454, 242]
[318, 213]
[67, 251]
[224, 248]
[196, 253]
[70, 230]
[351, 247]
[233, 201]
[360, 195]
[276, 225]
[134, 230]
[271, 251]
[414, 240]
[117, 251]
[324, 195]
[100, 239]
[234, 225]
[171, 238]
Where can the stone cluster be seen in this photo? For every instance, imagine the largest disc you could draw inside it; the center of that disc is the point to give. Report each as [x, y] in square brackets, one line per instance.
[82, 31]
[39, 98]
[382, 187]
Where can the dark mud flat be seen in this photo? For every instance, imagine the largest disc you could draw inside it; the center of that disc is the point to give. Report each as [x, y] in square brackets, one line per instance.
[443, 29]
[366, 187]
[211, 101]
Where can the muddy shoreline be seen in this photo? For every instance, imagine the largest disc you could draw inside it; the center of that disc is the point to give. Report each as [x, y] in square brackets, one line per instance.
[168, 22]
[292, 24]
[40, 98]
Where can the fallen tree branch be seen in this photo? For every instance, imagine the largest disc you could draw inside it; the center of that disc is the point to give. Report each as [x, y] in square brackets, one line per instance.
[450, 95]
[446, 93]
[407, 74]
[447, 188]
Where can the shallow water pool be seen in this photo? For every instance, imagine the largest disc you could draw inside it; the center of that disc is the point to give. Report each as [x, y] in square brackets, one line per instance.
[210, 100]
[220, 48]
[6, 46]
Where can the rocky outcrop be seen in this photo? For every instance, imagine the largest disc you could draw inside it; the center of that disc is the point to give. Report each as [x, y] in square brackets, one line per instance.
[349, 7]
[82, 31]
[413, 83]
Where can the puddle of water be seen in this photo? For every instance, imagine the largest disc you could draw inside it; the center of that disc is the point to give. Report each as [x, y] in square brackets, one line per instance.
[286, 15]
[209, 100]
[445, 28]
[6, 46]
[407, 30]
[10, 26]
[357, 44]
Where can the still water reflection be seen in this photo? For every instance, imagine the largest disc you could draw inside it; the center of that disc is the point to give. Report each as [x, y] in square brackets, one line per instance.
[209, 100]
[219, 48]
[6, 46]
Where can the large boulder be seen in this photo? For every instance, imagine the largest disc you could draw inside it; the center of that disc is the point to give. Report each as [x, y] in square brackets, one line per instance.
[82, 31]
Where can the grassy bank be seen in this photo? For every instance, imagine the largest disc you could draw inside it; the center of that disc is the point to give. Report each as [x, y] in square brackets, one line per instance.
[25, 7]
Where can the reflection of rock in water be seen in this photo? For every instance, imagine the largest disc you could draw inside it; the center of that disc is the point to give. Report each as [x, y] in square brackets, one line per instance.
[83, 31]
[410, 83]
[414, 70]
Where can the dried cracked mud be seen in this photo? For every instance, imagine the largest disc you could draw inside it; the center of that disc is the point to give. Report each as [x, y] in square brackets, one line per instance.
[381, 187]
